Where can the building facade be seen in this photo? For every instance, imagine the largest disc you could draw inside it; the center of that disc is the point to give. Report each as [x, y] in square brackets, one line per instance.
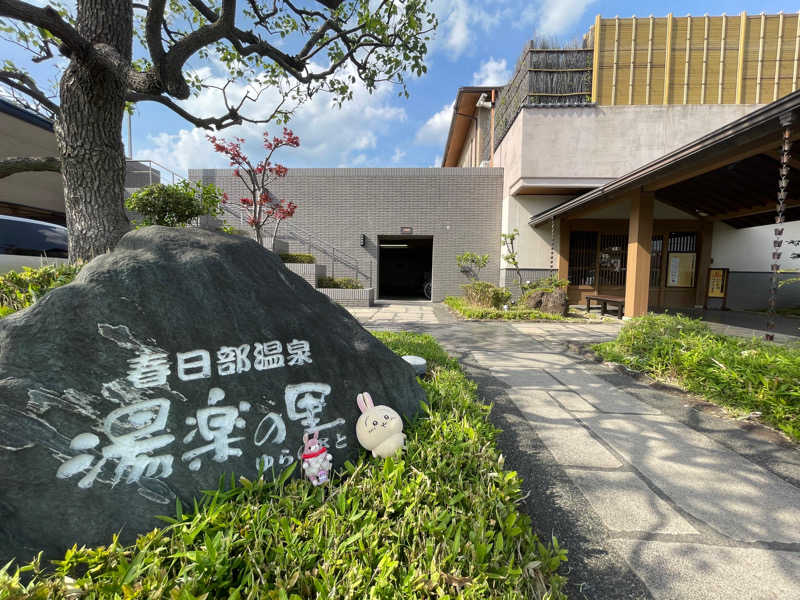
[392, 229]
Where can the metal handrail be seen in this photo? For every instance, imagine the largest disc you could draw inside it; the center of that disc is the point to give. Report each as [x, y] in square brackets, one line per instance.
[160, 169]
[313, 240]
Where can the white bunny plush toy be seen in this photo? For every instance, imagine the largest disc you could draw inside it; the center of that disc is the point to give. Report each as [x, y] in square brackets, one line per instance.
[379, 428]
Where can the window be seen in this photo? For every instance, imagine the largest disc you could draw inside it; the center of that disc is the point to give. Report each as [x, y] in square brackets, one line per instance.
[656, 249]
[612, 260]
[582, 257]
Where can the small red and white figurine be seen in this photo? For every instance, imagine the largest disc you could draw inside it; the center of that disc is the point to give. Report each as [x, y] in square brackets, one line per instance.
[316, 460]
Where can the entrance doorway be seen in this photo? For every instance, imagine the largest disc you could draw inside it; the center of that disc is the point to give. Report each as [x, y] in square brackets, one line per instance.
[404, 267]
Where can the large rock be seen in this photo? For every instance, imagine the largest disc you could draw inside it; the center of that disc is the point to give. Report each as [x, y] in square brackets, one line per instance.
[553, 301]
[181, 356]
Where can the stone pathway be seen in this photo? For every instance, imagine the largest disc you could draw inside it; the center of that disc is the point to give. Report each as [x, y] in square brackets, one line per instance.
[652, 498]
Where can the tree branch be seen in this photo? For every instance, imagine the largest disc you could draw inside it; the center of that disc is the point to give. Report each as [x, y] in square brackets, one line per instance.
[21, 82]
[22, 164]
[49, 19]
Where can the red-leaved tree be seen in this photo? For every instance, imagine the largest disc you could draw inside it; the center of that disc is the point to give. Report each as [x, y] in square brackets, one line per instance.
[262, 208]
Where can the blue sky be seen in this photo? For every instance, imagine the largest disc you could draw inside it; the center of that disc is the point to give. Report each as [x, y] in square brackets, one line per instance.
[477, 43]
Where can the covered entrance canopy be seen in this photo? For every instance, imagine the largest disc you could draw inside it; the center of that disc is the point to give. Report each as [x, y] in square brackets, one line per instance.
[729, 175]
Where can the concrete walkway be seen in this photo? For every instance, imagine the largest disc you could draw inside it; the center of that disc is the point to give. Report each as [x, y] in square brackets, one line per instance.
[652, 497]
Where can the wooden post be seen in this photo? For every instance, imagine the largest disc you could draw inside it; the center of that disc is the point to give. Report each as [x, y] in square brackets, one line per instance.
[667, 58]
[703, 263]
[640, 234]
[722, 58]
[649, 62]
[796, 53]
[563, 248]
[686, 59]
[740, 64]
[633, 60]
[760, 68]
[777, 79]
[705, 61]
[614, 67]
[596, 60]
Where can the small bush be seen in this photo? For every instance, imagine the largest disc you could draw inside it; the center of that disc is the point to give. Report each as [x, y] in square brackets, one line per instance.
[342, 283]
[745, 375]
[19, 290]
[174, 205]
[514, 313]
[440, 521]
[298, 258]
[485, 295]
[547, 284]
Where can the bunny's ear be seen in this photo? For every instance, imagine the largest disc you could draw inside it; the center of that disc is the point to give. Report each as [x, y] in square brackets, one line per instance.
[368, 400]
[305, 438]
[360, 401]
[316, 435]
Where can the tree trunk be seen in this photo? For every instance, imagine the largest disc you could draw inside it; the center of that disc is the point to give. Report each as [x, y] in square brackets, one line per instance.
[89, 133]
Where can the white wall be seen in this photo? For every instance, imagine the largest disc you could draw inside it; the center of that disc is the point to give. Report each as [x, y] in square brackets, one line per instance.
[41, 190]
[751, 249]
[533, 244]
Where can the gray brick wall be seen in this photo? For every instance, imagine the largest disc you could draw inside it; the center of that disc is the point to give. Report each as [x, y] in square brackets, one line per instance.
[459, 208]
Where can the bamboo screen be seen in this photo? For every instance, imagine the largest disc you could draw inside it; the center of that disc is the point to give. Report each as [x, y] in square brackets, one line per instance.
[544, 77]
[695, 60]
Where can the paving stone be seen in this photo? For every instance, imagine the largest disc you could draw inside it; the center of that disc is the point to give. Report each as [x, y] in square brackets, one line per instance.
[678, 571]
[708, 481]
[570, 443]
[625, 503]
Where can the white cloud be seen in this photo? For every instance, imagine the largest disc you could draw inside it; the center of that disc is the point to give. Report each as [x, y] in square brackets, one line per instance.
[555, 17]
[437, 162]
[329, 136]
[434, 131]
[492, 72]
[398, 155]
[458, 20]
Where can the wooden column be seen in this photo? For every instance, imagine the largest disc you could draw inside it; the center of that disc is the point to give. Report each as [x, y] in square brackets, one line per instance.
[640, 234]
[563, 249]
[703, 263]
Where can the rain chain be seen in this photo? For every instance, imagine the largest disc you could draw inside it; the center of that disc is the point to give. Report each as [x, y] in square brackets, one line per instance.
[783, 184]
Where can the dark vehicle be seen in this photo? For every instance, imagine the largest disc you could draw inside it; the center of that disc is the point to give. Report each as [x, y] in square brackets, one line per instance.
[29, 243]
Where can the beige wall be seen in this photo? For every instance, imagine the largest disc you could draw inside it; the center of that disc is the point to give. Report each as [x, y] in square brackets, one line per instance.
[610, 141]
[622, 208]
[41, 190]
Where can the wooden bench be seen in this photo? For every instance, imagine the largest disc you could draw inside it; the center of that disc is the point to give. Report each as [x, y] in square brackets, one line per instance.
[604, 301]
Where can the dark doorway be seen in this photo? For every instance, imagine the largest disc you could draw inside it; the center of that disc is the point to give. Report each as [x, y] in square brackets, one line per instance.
[404, 267]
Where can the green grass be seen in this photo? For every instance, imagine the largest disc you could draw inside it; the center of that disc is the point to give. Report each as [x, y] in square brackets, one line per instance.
[470, 311]
[743, 375]
[441, 521]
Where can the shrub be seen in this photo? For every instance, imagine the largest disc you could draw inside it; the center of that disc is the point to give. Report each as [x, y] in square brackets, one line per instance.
[298, 258]
[470, 311]
[342, 283]
[471, 264]
[441, 521]
[745, 375]
[547, 284]
[19, 290]
[486, 295]
[174, 205]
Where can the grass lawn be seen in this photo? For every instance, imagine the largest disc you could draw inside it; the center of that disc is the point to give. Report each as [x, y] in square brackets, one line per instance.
[743, 375]
[441, 521]
[470, 311]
